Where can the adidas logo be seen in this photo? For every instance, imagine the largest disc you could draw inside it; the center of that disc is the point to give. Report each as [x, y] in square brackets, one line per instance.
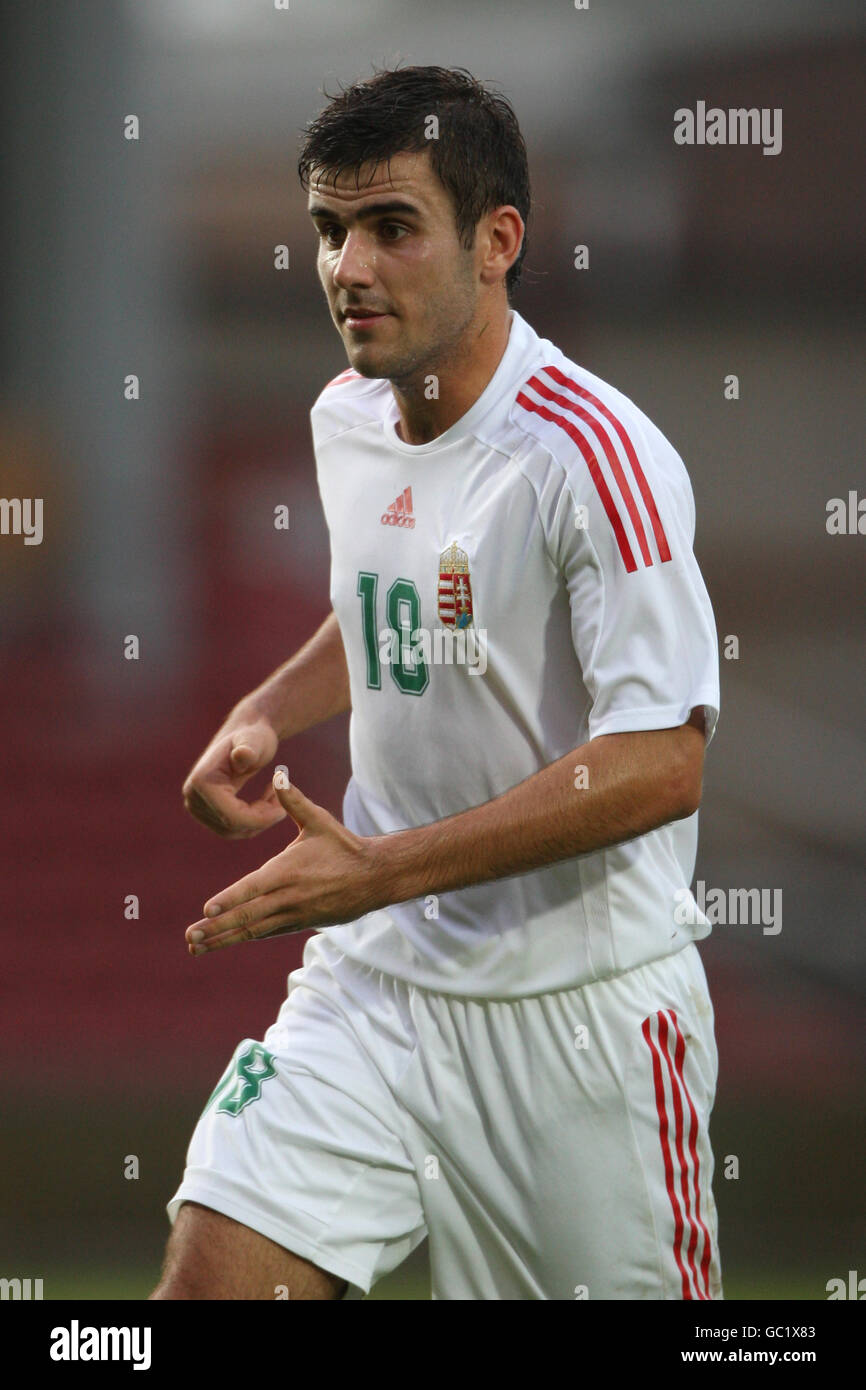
[400, 512]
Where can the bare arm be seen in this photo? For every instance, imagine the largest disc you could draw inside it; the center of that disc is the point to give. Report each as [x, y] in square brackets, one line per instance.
[309, 688]
[327, 875]
[312, 686]
[633, 783]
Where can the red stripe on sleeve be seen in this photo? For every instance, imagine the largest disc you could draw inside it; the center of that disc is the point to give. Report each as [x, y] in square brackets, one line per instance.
[595, 472]
[643, 485]
[610, 455]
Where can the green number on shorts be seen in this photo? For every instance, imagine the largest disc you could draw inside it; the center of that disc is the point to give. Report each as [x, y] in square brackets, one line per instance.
[242, 1081]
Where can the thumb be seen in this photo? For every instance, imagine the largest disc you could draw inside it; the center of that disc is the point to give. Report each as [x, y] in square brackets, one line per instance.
[300, 808]
[247, 751]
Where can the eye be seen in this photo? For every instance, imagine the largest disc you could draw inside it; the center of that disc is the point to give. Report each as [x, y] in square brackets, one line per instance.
[328, 231]
[387, 227]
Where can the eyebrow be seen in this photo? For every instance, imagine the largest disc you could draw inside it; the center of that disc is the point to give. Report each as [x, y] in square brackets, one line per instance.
[372, 209]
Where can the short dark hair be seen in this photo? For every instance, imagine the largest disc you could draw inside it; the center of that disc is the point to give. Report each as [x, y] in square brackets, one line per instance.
[479, 155]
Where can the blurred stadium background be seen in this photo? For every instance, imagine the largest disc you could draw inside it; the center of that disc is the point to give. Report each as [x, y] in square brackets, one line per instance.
[155, 257]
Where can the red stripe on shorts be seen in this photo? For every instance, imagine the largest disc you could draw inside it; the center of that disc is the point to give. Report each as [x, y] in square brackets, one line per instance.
[667, 1159]
[693, 1150]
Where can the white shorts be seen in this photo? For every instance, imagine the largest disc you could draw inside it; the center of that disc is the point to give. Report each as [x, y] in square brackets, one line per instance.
[553, 1147]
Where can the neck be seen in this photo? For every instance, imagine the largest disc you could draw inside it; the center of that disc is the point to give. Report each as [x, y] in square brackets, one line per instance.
[460, 380]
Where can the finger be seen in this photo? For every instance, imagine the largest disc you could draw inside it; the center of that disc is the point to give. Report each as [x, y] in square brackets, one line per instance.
[250, 750]
[276, 923]
[251, 897]
[304, 812]
[242, 758]
[202, 811]
[221, 810]
[230, 758]
[248, 914]
[267, 809]
[269, 798]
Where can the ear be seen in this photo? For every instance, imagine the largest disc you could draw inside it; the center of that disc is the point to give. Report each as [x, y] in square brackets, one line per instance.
[504, 229]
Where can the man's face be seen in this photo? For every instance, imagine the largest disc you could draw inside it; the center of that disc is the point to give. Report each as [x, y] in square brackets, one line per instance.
[391, 249]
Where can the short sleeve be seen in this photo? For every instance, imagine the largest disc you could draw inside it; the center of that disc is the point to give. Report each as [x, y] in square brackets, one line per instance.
[641, 619]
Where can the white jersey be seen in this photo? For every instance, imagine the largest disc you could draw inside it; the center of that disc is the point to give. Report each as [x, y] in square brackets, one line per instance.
[517, 586]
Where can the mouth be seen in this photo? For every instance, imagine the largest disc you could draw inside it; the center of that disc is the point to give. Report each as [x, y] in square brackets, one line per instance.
[362, 318]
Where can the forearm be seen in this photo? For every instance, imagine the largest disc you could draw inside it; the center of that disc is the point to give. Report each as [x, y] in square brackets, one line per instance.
[633, 784]
[312, 686]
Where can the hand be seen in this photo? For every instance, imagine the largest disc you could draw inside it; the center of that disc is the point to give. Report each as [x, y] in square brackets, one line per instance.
[325, 876]
[243, 746]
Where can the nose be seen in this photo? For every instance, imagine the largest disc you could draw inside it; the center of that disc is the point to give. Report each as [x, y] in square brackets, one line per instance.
[356, 263]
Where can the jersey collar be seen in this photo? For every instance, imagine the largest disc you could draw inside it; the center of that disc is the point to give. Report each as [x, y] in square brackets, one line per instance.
[521, 339]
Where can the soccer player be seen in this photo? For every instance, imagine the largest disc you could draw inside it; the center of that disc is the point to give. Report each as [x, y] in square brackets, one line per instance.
[501, 1036]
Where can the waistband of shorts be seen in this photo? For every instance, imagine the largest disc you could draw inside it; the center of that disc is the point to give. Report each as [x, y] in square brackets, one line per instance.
[409, 987]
